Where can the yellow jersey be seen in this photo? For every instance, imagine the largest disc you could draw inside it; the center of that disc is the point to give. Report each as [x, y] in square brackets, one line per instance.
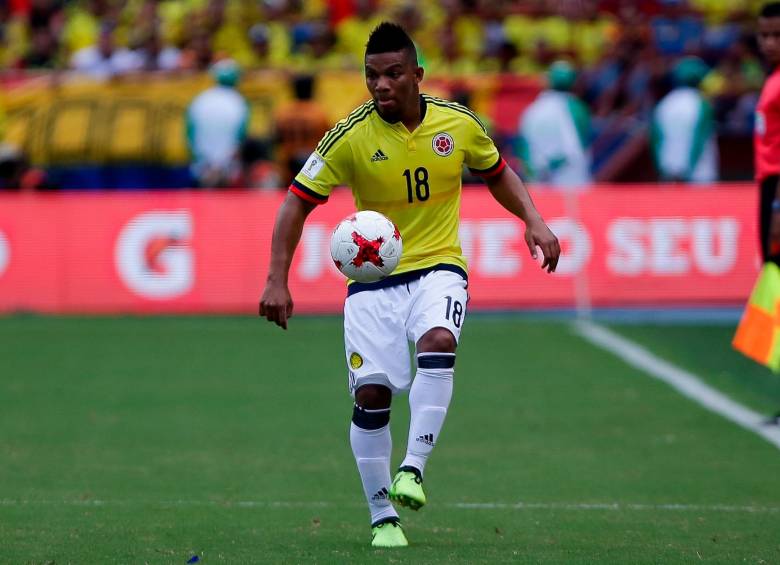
[412, 178]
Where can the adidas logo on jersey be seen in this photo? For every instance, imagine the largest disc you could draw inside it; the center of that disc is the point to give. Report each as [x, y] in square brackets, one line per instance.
[427, 439]
[379, 156]
[380, 495]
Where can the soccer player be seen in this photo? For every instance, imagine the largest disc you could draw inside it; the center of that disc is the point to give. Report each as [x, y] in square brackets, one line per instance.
[767, 134]
[402, 154]
[766, 140]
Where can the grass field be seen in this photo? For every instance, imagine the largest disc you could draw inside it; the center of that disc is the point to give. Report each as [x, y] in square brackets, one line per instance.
[152, 440]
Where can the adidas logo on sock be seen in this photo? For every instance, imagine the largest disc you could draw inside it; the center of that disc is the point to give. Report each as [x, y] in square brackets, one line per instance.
[380, 495]
[427, 439]
[379, 156]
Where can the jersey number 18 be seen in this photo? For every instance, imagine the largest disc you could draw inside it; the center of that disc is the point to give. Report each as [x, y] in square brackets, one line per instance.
[421, 187]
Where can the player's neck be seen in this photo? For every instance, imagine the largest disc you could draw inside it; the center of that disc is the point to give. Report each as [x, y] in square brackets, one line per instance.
[413, 115]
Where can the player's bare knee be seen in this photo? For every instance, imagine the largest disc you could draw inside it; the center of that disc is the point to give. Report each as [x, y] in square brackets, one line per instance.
[438, 340]
[373, 397]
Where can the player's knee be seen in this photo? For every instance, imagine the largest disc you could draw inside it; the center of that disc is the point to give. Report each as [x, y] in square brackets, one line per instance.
[372, 407]
[373, 397]
[437, 340]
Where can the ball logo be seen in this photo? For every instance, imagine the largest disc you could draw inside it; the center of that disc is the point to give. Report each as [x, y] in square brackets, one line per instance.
[5, 253]
[151, 255]
[355, 361]
[443, 144]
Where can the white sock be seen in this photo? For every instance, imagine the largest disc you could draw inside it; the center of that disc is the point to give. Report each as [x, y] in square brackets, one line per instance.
[372, 449]
[429, 399]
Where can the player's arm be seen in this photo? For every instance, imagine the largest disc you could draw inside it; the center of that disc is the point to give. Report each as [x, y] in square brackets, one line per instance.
[326, 167]
[507, 188]
[276, 303]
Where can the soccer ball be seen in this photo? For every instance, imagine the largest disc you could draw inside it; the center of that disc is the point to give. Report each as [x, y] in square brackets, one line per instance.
[366, 246]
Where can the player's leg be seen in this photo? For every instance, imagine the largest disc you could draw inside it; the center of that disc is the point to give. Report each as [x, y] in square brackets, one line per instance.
[369, 435]
[437, 317]
[768, 194]
[376, 345]
[767, 197]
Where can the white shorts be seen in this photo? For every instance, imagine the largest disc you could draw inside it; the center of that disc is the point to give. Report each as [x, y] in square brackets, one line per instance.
[380, 324]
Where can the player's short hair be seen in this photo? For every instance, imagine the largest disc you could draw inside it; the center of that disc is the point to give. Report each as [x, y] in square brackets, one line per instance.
[388, 37]
[771, 10]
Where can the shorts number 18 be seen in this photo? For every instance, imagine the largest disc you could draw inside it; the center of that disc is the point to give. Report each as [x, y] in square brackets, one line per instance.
[456, 309]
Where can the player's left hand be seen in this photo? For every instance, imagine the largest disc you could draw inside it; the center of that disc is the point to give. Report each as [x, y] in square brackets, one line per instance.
[537, 234]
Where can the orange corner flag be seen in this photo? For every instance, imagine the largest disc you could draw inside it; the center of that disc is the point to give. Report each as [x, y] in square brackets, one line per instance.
[758, 333]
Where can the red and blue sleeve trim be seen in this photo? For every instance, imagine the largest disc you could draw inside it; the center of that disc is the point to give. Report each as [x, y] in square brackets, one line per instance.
[490, 171]
[306, 193]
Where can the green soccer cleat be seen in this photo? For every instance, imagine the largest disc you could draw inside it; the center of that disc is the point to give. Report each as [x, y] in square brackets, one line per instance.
[388, 534]
[407, 489]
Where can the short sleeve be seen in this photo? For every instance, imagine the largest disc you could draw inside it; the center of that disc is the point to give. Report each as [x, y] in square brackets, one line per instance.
[321, 173]
[482, 156]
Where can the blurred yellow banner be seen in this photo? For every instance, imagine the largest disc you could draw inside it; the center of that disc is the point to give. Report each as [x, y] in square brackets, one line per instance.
[141, 118]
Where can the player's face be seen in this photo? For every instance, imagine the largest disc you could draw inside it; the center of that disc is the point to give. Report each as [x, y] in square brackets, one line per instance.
[769, 39]
[393, 79]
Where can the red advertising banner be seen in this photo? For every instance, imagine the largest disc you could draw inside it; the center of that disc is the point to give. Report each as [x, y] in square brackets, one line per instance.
[208, 252]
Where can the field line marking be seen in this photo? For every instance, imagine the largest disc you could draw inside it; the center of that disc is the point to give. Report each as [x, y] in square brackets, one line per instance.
[313, 504]
[686, 383]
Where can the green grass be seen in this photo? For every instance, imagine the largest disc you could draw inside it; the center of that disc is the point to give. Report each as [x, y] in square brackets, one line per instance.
[706, 350]
[133, 440]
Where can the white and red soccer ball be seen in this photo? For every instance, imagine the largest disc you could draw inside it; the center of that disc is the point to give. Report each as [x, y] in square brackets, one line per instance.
[366, 246]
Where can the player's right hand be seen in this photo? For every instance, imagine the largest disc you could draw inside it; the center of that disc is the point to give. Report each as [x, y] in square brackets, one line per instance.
[276, 304]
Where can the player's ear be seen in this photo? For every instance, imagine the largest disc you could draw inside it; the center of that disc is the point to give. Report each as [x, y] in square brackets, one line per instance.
[418, 74]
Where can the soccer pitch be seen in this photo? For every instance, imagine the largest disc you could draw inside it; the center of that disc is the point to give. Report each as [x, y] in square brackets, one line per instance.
[153, 440]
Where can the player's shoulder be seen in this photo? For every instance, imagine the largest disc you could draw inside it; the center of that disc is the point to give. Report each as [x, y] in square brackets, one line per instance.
[345, 128]
[772, 84]
[454, 110]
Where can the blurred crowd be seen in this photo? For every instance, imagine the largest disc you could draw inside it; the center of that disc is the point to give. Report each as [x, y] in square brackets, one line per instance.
[623, 50]
[454, 36]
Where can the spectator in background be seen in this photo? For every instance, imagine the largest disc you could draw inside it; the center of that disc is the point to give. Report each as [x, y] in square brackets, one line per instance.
[619, 85]
[217, 121]
[316, 52]
[198, 53]
[158, 57]
[103, 60]
[42, 54]
[733, 87]
[258, 42]
[299, 127]
[555, 135]
[683, 128]
[677, 31]
[351, 32]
